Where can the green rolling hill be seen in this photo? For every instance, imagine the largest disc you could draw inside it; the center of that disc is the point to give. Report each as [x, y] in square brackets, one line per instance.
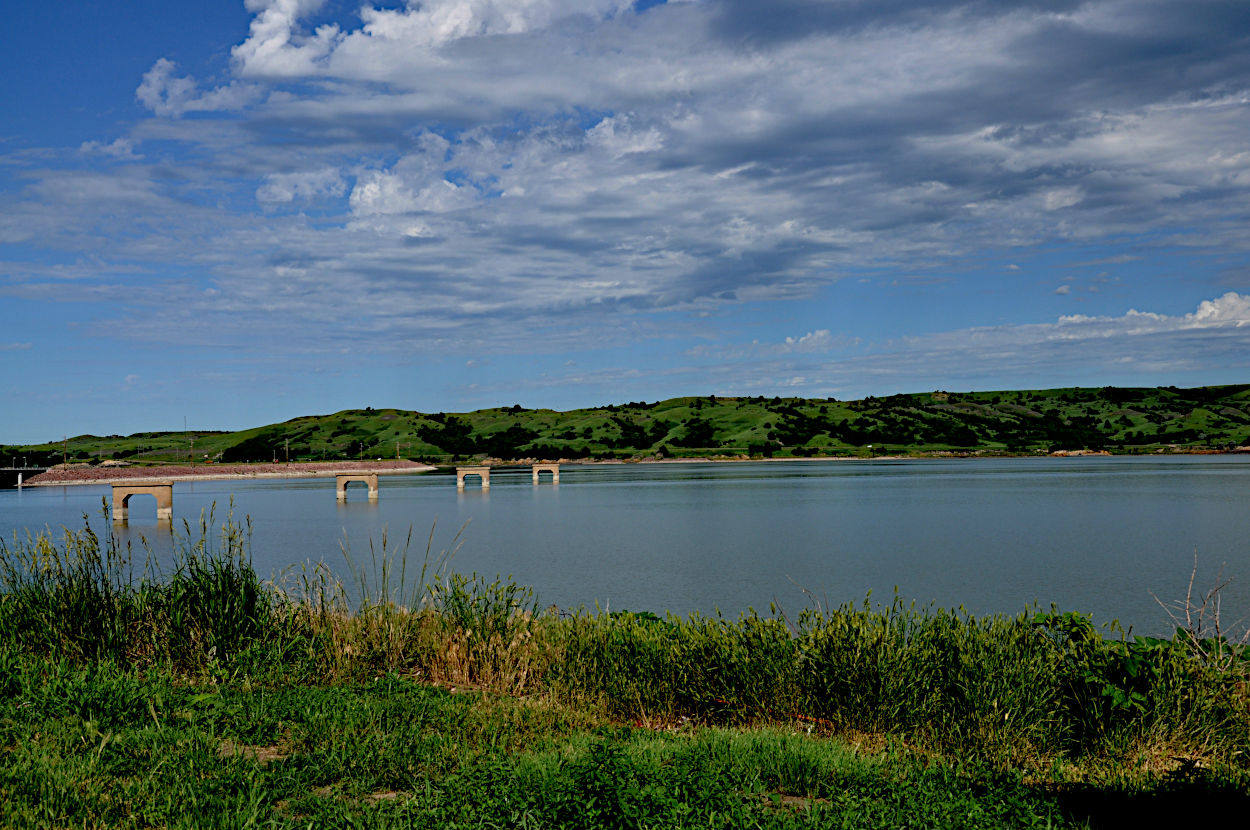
[1119, 420]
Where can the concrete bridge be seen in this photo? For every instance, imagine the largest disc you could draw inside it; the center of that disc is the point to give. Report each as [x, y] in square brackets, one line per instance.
[163, 491]
[554, 469]
[481, 472]
[14, 476]
[341, 480]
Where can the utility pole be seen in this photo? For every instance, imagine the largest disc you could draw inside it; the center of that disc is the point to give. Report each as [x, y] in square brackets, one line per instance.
[287, 442]
[64, 449]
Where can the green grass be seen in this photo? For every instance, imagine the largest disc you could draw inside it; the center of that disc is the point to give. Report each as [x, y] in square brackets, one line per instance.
[198, 695]
[99, 746]
[1002, 422]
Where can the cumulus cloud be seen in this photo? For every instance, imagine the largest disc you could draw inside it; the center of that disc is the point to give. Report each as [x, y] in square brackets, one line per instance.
[165, 93]
[276, 46]
[1230, 309]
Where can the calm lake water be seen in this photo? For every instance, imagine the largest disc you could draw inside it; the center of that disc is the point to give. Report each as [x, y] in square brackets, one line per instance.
[1090, 534]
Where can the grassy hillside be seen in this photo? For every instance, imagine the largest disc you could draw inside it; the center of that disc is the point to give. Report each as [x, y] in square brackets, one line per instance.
[1016, 422]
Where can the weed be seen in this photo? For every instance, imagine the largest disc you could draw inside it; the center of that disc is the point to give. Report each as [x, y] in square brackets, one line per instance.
[91, 598]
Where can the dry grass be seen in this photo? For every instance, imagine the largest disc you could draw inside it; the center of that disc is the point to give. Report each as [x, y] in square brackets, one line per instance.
[260, 755]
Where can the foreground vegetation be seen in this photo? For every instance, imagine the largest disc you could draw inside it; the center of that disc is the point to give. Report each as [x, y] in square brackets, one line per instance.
[1014, 422]
[199, 695]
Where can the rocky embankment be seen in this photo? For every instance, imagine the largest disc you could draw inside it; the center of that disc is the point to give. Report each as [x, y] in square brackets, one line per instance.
[87, 474]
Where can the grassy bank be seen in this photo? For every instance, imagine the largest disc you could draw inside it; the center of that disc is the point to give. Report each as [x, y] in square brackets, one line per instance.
[199, 693]
[1004, 422]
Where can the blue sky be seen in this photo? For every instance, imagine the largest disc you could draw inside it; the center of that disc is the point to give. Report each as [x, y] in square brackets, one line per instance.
[236, 213]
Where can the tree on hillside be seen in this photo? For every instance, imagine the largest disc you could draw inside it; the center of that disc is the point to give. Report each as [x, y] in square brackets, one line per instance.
[505, 443]
[259, 447]
[453, 435]
[697, 432]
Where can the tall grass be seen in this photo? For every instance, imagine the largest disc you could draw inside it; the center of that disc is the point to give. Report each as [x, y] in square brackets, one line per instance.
[1028, 686]
[416, 616]
[1002, 686]
[90, 598]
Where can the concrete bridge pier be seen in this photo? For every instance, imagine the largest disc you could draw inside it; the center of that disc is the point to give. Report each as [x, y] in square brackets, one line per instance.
[341, 481]
[163, 491]
[481, 472]
[554, 469]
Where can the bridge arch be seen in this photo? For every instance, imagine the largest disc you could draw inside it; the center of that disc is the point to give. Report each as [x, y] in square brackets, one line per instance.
[481, 472]
[539, 469]
[341, 480]
[163, 491]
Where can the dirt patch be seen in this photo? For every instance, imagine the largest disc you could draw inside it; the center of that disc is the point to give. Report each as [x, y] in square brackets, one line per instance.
[378, 797]
[258, 754]
[381, 796]
[781, 801]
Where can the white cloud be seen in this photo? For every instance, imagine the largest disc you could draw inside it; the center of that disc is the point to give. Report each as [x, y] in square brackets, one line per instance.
[1064, 289]
[377, 192]
[121, 148]
[167, 94]
[303, 185]
[276, 47]
[14, 347]
[1230, 309]
[615, 136]
[1061, 197]
[814, 341]
[436, 22]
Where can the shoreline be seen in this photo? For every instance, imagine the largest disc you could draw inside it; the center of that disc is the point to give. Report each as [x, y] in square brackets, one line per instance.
[948, 456]
[224, 472]
[230, 472]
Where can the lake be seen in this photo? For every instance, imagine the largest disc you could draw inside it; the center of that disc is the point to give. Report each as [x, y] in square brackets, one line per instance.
[1091, 534]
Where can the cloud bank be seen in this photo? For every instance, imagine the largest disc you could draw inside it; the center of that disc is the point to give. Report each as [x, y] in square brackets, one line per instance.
[455, 174]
